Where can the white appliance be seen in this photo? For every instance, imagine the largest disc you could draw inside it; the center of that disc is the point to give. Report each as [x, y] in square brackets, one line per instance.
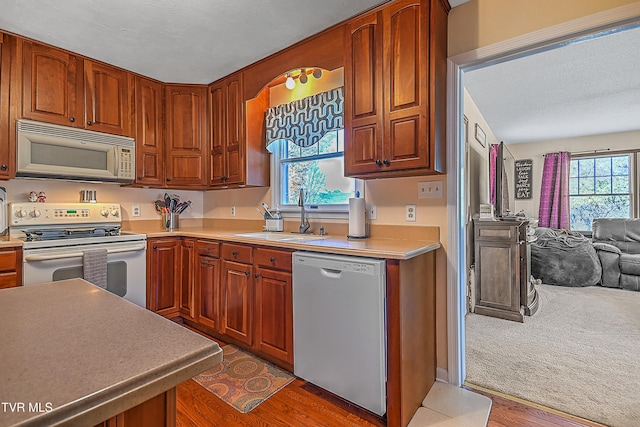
[339, 326]
[3, 212]
[56, 235]
[46, 150]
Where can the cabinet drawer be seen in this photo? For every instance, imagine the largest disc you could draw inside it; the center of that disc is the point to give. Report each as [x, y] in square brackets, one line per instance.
[273, 259]
[208, 248]
[8, 280]
[238, 253]
[504, 234]
[8, 260]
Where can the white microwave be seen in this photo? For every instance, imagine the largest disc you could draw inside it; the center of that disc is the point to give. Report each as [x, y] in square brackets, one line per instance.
[52, 151]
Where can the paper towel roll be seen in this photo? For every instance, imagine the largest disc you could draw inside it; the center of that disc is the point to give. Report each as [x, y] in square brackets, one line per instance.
[357, 210]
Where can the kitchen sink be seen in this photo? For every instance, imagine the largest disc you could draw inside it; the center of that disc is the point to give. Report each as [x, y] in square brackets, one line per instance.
[280, 237]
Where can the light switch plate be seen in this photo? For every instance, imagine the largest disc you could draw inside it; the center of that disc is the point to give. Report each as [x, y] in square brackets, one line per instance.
[430, 190]
[373, 212]
[411, 213]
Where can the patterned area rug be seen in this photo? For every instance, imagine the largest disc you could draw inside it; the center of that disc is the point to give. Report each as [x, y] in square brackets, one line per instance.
[242, 380]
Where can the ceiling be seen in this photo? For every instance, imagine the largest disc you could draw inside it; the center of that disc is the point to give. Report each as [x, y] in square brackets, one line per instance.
[194, 41]
[585, 88]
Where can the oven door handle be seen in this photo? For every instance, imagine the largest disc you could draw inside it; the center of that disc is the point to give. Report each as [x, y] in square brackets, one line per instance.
[45, 257]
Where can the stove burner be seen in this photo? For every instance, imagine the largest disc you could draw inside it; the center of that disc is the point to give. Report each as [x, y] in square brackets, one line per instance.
[70, 233]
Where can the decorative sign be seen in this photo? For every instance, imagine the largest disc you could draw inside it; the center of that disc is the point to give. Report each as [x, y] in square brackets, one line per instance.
[523, 179]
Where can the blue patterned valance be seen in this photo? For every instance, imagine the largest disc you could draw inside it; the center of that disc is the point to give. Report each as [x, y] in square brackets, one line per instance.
[307, 120]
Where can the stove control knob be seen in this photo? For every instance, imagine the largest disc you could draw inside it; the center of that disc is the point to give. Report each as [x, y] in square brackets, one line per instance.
[34, 213]
[104, 212]
[21, 213]
[115, 212]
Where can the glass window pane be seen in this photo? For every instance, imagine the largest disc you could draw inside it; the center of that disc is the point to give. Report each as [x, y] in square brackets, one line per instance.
[620, 184]
[341, 141]
[322, 180]
[573, 186]
[620, 165]
[292, 151]
[603, 166]
[587, 186]
[329, 143]
[573, 168]
[585, 208]
[309, 151]
[586, 167]
[603, 185]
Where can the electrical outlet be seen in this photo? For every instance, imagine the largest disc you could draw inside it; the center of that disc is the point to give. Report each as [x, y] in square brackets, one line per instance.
[430, 190]
[135, 210]
[373, 212]
[233, 211]
[410, 213]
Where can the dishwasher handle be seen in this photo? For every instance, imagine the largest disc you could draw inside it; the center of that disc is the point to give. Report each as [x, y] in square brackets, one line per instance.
[331, 273]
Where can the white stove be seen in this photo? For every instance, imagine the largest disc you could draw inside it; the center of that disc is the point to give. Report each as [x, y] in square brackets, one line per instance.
[56, 236]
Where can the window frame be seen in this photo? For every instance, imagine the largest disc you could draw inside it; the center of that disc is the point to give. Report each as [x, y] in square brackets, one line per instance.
[634, 177]
[338, 211]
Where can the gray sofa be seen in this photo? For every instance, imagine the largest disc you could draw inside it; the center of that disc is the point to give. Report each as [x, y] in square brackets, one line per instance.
[617, 243]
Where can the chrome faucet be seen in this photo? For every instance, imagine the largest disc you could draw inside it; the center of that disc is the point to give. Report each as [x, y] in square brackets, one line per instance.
[304, 221]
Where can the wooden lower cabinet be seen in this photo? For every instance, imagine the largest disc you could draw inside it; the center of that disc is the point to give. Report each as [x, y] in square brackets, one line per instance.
[274, 314]
[10, 267]
[159, 411]
[162, 289]
[207, 286]
[237, 301]
[186, 265]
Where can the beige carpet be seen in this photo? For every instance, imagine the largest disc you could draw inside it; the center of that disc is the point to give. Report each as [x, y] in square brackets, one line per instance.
[580, 353]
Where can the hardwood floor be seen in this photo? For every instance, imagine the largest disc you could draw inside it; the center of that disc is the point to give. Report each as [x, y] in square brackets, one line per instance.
[305, 405]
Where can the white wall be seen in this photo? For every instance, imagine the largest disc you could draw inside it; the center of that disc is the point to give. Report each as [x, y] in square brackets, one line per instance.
[537, 150]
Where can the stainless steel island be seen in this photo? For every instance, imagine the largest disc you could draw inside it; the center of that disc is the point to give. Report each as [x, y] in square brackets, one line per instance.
[75, 354]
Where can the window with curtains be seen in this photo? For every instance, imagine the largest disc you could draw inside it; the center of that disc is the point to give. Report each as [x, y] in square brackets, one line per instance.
[306, 139]
[600, 187]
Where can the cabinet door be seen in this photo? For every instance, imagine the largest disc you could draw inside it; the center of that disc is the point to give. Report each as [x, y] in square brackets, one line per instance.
[149, 116]
[227, 132]
[363, 103]
[234, 156]
[186, 108]
[406, 72]
[106, 96]
[217, 172]
[274, 314]
[208, 291]
[7, 160]
[52, 85]
[163, 276]
[187, 270]
[237, 301]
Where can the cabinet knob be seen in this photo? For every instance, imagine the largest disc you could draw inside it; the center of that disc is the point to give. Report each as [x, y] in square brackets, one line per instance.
[234, 253]
[168, 179]
[272, 259]
[386, 162]
[256, 276]
[89, 123]
[139, 178]
[246, 273]
[72, 119]
[378, 162]
[4, 167]
[155, 247]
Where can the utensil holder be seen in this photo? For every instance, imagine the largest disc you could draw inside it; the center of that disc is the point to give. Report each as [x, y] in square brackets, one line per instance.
[170, 221]
[274, 225]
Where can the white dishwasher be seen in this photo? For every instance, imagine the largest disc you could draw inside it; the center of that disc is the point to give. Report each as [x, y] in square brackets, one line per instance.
[339, 326]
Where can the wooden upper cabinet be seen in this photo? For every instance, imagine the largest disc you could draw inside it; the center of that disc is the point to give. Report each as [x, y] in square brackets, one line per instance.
[149, 127]
[395, 77]
[106, 96]
[227, 161]
[52, 87]
[7, 147]
[186, 137]
[61, 88]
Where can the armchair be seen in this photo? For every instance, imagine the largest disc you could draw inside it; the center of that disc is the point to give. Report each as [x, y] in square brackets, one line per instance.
[617, 243]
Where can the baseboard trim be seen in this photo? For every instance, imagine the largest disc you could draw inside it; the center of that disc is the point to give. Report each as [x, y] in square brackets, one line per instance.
[442, 375]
